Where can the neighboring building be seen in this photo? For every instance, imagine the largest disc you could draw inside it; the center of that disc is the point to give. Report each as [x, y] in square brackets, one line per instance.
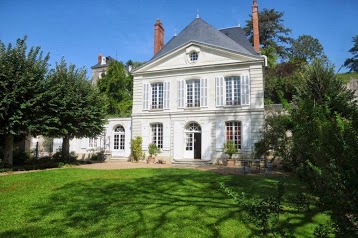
[204, 87]
[99, 69]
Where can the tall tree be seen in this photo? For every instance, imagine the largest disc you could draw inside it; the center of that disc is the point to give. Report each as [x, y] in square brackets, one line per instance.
[21, 76]
[273, 33]
[117, 87]
[72, 106]
[325, 139]
[352, 63]
[305, 48]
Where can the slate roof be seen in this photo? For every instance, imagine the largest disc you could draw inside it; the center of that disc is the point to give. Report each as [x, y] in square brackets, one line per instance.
[238, 35]
[99, 65]
[200, 31]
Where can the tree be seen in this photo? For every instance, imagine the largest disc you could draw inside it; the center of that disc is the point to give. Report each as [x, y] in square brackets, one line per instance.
[117, 86]
[325, 139]
[72, 107]
[273, 33]
[21, 76]
[305, 48]
[323, 119]
[352, 63]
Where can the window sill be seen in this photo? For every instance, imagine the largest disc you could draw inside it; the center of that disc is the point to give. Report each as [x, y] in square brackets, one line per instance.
[156, 109]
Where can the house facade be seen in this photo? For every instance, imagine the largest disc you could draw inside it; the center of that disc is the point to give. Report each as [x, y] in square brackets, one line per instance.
[201, 89]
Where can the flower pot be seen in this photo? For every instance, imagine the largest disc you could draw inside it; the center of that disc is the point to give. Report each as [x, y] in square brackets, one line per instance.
[151, 160]
[230, 163]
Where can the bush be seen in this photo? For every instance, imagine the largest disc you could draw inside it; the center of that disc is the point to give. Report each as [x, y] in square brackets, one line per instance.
[136, 149]
[230, 148]
[153, 149]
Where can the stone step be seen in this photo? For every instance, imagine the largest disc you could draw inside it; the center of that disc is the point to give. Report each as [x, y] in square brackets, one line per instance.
[191, 162]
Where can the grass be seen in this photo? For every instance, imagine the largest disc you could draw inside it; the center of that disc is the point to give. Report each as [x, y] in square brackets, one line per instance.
[75, 202]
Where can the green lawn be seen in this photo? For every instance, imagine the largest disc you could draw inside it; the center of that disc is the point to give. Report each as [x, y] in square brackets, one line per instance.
[135, 203]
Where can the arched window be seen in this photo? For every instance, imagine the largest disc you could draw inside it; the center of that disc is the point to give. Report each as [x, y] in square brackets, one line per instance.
[118, 138]
[193, 127]
[233, 132]
[157, 134]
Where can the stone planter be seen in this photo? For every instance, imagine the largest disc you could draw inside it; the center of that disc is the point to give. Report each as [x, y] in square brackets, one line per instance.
[151, 160]
[230, 163]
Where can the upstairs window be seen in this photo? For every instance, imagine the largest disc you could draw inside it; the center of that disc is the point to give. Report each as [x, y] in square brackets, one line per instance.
[233, 90]
[193, 93]
[157, 95]
[193, 57]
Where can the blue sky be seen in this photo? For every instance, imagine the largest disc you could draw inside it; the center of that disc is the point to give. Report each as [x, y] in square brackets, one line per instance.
[80, 30]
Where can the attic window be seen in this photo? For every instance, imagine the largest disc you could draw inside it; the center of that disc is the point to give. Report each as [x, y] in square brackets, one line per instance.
[193, 57]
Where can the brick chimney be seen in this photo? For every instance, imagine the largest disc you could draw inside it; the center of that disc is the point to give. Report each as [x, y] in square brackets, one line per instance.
[158, 36]
[255, 26]
[99, 58]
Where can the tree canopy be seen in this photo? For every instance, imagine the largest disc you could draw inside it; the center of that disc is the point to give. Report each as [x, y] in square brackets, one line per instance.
[323, 121]
[117, 87]
[21, 74]
[273, 33]
[72, 106]
[305, 48]
[352, 63]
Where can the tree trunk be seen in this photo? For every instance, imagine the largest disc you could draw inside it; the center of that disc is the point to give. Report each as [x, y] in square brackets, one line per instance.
[66, 149]
[9, 149]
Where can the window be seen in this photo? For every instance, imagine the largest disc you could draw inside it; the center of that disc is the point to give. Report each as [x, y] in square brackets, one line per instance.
[157, 95]
[234, 90]
[157, 134]
[193, 57]
[193, 93]
[233, 132]
[118, 138]
[92, 143]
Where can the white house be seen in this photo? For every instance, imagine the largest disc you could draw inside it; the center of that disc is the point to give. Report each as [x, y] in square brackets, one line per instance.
[202, 88]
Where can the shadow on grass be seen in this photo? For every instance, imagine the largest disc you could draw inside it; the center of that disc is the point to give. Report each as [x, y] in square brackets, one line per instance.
[166, 203]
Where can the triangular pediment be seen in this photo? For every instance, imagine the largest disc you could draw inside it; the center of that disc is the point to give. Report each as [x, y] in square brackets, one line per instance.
[207, 56]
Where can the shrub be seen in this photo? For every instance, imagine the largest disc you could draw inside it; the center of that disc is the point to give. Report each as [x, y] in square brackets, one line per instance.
[153, 149]
[136, 149]
[230, 148]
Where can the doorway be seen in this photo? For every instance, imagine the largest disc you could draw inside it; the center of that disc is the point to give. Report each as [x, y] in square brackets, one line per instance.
[192, 141]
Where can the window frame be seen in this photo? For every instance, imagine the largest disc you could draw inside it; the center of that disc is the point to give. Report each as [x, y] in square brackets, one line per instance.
[157, 133]
[119, 138]
[234, 133]
[194, 94]
[157, 101]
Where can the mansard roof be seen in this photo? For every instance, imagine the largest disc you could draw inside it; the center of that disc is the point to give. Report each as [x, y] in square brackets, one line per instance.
[199, 31]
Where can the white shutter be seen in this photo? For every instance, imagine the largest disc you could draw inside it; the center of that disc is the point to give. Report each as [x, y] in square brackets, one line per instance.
[180, 93]
[146, 136]
[246, 136]
[166, 136]
[245, 90]
[178, 141]
[166, 96]
[203, 92]
[145, 96]
[219, 91]
[220, 135]
[206, 141]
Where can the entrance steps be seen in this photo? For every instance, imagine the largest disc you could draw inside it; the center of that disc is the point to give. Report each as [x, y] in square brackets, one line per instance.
[117, 158]
[196, 162]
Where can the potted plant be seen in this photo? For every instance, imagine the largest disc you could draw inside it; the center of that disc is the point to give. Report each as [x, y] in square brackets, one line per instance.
[153, 150]
[230, 149]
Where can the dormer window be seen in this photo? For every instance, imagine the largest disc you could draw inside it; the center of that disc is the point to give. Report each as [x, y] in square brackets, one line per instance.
[193, 57]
